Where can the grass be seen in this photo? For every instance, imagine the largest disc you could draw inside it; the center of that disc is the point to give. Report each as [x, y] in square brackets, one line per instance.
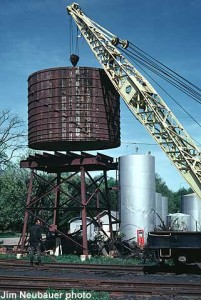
[97, 260]
[76, 259]
[7, 256]
[9, 234]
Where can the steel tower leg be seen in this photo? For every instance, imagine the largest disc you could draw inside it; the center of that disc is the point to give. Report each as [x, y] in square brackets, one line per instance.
[56, 202]
[26, 217]
[84, 212]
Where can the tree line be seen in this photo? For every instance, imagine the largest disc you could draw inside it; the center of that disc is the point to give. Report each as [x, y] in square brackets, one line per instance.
[14, 180]
[14, 187]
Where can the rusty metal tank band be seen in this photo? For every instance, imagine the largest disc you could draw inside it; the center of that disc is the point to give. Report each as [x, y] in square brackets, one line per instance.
[72, 108]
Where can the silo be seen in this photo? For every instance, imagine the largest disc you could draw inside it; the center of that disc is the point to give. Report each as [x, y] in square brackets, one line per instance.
[179, 222]
[158, 210]
[72, 108]
[191, 204]
[137, 194]
[164, 209]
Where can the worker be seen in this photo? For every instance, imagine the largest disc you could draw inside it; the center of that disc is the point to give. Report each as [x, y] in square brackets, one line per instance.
[35, 240]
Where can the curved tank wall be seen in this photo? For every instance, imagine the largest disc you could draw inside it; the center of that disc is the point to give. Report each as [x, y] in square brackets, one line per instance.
[72, 109]
[137, 195]
[191, 204]
[158, 210]
[164, 209]
[179, 222]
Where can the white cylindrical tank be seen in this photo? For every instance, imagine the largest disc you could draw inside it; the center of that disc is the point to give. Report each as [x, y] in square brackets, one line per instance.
[164, 209]
[191, 204]
[137, 195]
[158, 210]
[179, 222]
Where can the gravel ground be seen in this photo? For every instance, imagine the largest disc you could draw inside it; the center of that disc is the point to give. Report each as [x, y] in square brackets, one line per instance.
[45, 271]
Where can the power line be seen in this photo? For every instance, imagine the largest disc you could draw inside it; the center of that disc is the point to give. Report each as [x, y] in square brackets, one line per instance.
[137, 143]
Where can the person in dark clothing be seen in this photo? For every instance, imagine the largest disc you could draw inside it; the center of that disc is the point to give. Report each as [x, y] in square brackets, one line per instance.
[35, 241]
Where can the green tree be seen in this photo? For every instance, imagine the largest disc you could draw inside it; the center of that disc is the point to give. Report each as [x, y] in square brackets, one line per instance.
[161, 186]
[174, 198]
[13, 186]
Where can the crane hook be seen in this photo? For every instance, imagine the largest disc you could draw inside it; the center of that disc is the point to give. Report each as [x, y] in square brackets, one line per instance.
[74, 59]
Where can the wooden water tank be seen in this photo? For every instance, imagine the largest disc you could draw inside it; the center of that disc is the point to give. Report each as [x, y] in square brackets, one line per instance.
[72, 108]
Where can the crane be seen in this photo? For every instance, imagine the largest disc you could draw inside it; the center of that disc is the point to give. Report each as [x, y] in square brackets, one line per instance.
[141, 98]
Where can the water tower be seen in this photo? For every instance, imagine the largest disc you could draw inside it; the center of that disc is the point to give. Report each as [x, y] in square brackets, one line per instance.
[69, 109]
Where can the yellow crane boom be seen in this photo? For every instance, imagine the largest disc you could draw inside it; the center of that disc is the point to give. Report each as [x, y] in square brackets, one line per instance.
[142, 99]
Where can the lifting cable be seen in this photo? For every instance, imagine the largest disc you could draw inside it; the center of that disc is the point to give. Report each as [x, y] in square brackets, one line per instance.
[74, 49]
[192, 95]
[167, 74]
[167, 68]
[70, 36]
[188, 88]
[190, 116]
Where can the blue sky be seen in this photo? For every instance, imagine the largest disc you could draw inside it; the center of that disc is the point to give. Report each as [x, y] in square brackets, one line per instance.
[34, 35]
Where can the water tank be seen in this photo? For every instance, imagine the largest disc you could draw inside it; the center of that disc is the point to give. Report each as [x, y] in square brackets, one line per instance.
[191, 204]
[137, 195]
[178, 222]
[164, 209]
[158, 210]
[72, 108]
